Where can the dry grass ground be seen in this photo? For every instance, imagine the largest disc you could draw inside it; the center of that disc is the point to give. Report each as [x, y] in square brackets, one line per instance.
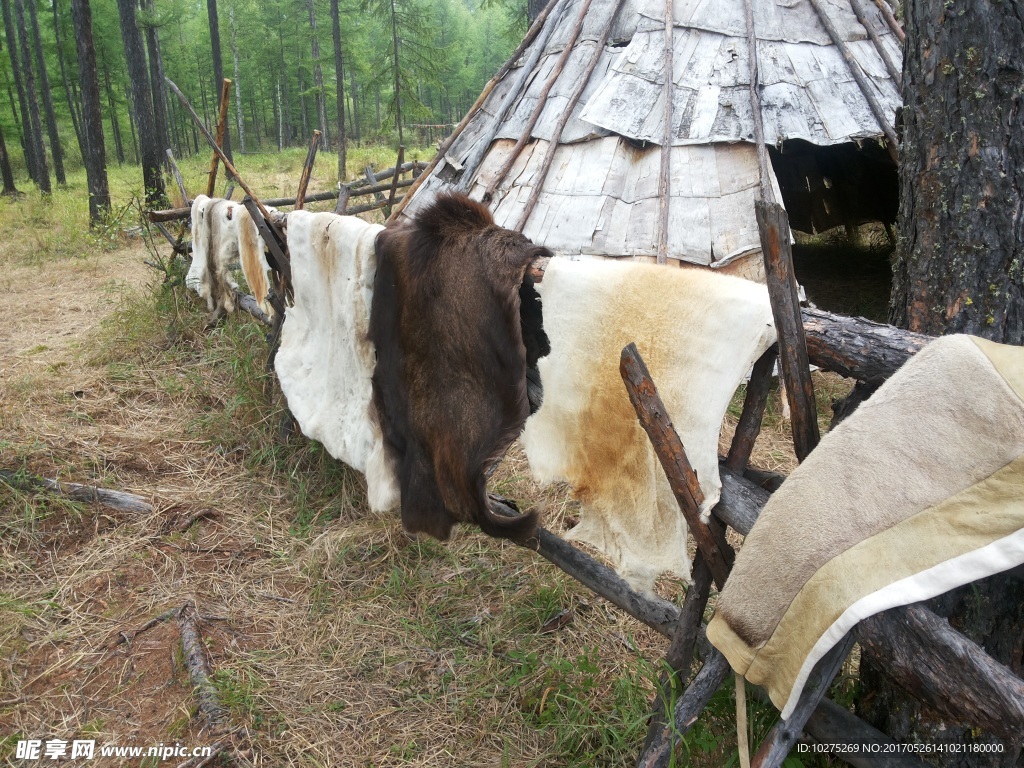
[336, 640]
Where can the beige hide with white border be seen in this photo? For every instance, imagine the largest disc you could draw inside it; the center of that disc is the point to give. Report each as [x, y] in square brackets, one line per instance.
[699, 333]
[326, 359]
[214, 250]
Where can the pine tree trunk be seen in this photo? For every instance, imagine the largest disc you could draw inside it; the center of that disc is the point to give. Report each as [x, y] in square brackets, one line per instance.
[285, 115]
[93, 151]
[961, 265]
[960, 268]
[355, 109]
[69, 94]
[5, 168]
[280, 119]
[132, 127]
[157, 84]
[44, 89]
[397, 77]
[19, 85]
[218, 67]
[142, 103]
[35, 124]
[115, 122]
[239, 121]
[318, 78]
[339, 70]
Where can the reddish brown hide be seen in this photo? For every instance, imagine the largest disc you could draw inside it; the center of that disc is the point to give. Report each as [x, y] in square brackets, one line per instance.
[450, 381]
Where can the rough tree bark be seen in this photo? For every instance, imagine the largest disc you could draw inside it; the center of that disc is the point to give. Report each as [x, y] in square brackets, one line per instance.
[961, 265]
[5, 169]
[45, 92]
[156, 77]
[339, 68]
[19, 85]
[149, 148]
[960, 268]
[218, 66]
[93, 151]
[35, 135]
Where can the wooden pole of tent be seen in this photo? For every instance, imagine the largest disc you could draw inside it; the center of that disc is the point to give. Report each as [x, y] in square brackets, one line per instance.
[222, 123]
[531, 35]
[527, 130]
[892, 143]
[563, 119]
[665, 172]
[894, 25]
[883, 53]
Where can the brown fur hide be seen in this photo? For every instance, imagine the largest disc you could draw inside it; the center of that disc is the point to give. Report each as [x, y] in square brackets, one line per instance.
[450, 379]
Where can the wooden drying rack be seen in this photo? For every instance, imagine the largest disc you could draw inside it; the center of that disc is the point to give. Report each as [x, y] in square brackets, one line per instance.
[853, 347]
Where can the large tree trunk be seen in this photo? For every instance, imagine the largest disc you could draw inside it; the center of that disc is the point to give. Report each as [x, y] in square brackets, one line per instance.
[142, 102]
[19, 85]
[218, 66]
[44, 89]
[157, 83]
[285, 114]
[35, 136]
[397, 73]
[318, 78]
[69, 92]
[5, 169]
[339, 70]
[93, 151]
[960, 268]
[239, 121]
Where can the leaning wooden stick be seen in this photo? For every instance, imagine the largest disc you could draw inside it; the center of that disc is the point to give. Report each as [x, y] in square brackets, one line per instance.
[222, 124]
[228, 166]
[749, 425]
[177, 177]
[783, 735]
[678, 658]
[669, 448]
[394, 182]
[307, 170]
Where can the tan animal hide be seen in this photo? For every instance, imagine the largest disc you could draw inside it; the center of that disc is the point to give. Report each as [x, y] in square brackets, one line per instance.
[699, 333]
[326, 358]
[919, 491]
[252, 255]
[214, 249]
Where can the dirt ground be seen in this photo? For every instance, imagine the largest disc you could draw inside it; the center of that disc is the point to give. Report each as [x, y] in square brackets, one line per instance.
[334, 639]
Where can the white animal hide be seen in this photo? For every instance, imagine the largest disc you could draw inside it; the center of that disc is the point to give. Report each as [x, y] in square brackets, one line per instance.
[699, 333]
[214, 250]
[326, 359]
[252, 255]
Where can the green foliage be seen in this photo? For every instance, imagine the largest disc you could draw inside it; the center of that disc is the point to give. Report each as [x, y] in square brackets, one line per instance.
[447, 50]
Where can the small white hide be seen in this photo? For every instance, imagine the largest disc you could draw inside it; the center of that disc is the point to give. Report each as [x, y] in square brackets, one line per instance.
[326, 359]
[699, 333]
[214, 250]
[253, 257]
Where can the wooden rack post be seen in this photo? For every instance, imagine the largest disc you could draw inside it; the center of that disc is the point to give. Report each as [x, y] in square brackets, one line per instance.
[754, 405]
[307, 170]
[773, 224]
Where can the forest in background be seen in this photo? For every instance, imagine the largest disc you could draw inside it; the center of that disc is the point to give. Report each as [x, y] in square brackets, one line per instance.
[409, 69]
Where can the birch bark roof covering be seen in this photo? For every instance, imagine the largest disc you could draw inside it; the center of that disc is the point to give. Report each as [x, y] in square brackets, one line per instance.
[600, 193]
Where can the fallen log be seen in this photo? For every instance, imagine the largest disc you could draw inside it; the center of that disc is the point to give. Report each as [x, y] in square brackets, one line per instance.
[198, 663]
[936, 664]
[119, 500]
[858, 348]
